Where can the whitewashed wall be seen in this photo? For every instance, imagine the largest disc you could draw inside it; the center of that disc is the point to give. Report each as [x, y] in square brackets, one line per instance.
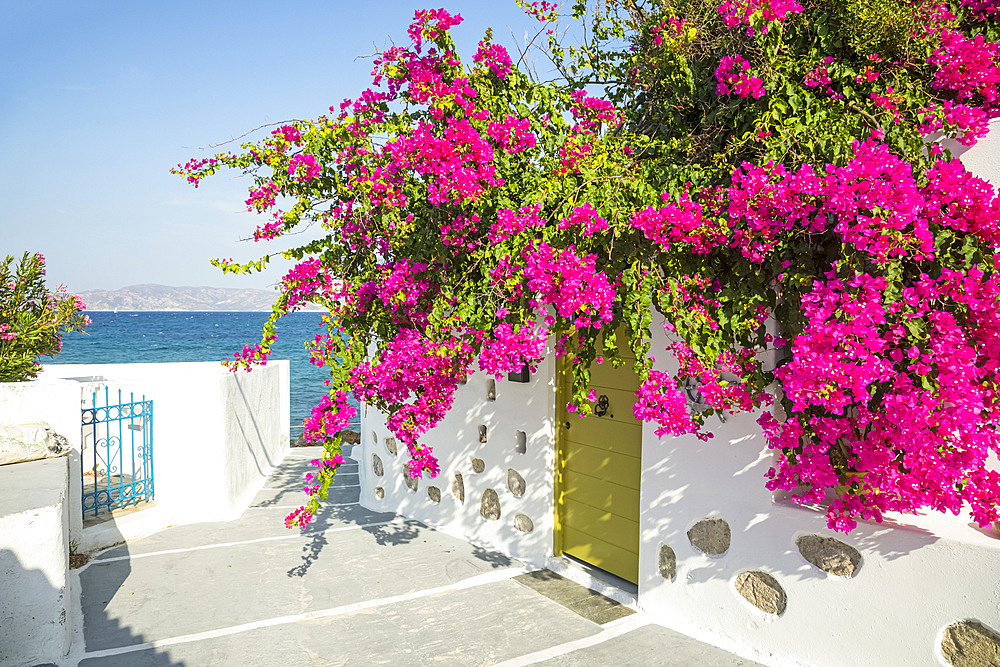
[526, 407]
[35, 600]
[216, 436]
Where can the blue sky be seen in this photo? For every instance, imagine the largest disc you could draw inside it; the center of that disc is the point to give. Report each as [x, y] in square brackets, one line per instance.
[98, 100]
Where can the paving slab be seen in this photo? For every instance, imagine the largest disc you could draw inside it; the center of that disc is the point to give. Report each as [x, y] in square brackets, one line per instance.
[478, 626]
[652, 646]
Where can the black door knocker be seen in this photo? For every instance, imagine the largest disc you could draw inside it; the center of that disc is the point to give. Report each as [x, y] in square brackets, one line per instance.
[601, 408]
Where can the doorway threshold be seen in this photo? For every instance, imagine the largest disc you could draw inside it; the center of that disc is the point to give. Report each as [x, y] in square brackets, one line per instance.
[610, 586]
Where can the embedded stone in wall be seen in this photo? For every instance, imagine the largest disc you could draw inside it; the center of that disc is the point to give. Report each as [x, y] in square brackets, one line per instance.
[411, 482]
[478, 465]
[482, 433]
[491, 390]
[377, 465]
[523, 523]
[762, 591]
[379, 492]
[668, 562]
[520, 442]
[711, 536]
[829, 555]
[458, 487]
[390, 444]
[515, 482]
[970, 644]
[434, 494]
[490, 507]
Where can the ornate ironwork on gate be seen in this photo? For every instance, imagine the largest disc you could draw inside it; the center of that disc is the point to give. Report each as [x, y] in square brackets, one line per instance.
[117, 465]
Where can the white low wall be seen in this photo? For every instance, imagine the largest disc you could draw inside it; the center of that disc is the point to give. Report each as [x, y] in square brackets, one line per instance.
[216, 435]
[35, 608]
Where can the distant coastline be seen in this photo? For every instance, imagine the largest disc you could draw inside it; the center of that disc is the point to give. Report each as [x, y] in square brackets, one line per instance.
[168, 299]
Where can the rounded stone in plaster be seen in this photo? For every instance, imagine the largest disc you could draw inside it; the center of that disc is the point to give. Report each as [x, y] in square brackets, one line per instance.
[379, 492]
[377, 467]
[458, 487]
[411, 482]
[762, 591]
[478, 465]
[489, 508]
[829, 555]
[390, 445]
[970, 644]
[515, 482]
[668, 562]
[482, 433]
[711, 536]
[434, 494]
[523, 523]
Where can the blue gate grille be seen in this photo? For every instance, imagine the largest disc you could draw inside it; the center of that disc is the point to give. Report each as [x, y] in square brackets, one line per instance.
[117, 465]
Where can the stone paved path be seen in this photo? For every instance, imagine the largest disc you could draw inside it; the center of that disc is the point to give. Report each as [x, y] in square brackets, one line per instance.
[358, 588]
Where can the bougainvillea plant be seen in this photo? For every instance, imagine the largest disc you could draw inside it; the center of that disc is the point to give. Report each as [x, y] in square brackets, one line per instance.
[32, 318]
[763, 173]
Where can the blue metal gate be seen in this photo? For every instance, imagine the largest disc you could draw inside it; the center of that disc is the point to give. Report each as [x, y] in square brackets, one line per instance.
[117, 465]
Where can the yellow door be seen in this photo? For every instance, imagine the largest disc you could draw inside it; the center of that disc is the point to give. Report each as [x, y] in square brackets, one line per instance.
[597, 490]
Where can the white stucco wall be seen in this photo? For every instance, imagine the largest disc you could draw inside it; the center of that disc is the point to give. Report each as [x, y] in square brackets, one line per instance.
[527, 407]
[216, 434]
[35, 598]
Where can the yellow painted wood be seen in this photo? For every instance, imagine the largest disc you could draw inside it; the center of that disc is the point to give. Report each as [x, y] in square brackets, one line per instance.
[607, 556]
[600, 494]
[598, 474]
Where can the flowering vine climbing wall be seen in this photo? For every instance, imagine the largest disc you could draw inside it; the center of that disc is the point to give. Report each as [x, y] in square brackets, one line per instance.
[727, 165]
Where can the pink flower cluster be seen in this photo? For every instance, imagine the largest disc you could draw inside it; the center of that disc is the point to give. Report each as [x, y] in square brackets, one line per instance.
[903, 395]
[509, 349]
[735, 12]
[305, 281]
[584, 219]
[668, 30]
[682, 222]
[580, 293]
[734, 78]
[513, 135]
[423, 28]
[967, 66]
[659, 400]
[495, 57]
[303, 167]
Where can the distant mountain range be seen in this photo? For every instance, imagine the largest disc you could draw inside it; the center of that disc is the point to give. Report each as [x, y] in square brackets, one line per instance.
[165, 298]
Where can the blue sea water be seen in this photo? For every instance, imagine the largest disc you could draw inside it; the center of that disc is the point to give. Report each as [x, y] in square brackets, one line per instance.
[124, 337]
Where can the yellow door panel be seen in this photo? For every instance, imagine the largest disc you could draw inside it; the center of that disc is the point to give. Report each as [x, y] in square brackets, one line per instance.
[606, 525]
[603, 464]
[602, 432]
[600, 494]
[599, 472]
[605, 555]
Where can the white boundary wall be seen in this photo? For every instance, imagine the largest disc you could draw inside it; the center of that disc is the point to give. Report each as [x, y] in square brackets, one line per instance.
[917, 576]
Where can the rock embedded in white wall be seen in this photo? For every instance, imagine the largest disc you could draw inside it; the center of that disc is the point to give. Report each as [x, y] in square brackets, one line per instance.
[478, 465]
[377, 467]
[482, 433]
[668, 562]
[379, 492]
[411, 482]
[762, 591]
[970, 644]
[711, 536]
[434, 493]
[390, 445]
[458, 487]
[523, 523]
[489, 508]
[515, 482]
[829, 555]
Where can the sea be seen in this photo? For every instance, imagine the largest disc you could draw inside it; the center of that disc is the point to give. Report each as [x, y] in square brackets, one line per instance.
[140, 337]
